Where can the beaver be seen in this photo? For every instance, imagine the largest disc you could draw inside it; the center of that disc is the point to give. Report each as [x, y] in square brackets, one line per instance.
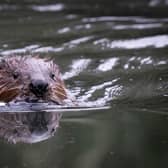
[30, 79]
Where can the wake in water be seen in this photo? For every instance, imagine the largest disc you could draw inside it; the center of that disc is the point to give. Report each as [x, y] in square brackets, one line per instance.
[107, 59]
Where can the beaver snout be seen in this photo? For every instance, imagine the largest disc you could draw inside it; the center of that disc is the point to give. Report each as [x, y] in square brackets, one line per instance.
[38, 87]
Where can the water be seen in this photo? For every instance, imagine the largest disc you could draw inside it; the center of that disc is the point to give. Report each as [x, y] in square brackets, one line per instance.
[119, 62]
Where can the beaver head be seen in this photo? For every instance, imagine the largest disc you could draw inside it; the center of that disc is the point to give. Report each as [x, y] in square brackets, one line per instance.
[30, 79]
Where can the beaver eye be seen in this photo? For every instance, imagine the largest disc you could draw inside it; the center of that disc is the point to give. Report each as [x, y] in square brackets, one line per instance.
[52, 75]
[15, 75]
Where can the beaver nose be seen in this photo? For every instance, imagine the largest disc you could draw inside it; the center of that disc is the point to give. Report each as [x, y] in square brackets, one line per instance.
[39, 87]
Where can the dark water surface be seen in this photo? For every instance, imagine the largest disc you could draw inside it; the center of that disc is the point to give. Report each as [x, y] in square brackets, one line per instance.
[105, 60]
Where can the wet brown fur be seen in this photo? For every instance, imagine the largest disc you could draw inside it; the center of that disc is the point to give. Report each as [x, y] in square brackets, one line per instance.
[13, 89]
[16, 73]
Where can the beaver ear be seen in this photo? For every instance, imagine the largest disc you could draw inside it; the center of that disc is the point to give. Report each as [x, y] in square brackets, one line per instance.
[2, 64]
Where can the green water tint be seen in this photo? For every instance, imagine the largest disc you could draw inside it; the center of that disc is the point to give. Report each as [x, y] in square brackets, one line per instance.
[105, 60]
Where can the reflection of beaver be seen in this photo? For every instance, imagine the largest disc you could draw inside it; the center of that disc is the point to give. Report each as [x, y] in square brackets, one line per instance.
[32, 80]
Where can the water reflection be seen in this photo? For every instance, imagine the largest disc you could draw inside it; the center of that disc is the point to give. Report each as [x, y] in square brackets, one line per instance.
[28, 127]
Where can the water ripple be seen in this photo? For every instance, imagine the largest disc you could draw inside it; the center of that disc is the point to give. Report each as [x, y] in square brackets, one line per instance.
[20, 50]
[48, 8]
[138, 26]
[158, 41]
[79, 40]
[8, 7]
[108, 64]
[121, 18]
[77, 67]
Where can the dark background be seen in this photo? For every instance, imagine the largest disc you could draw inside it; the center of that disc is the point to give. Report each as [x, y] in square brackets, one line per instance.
[152, 8]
